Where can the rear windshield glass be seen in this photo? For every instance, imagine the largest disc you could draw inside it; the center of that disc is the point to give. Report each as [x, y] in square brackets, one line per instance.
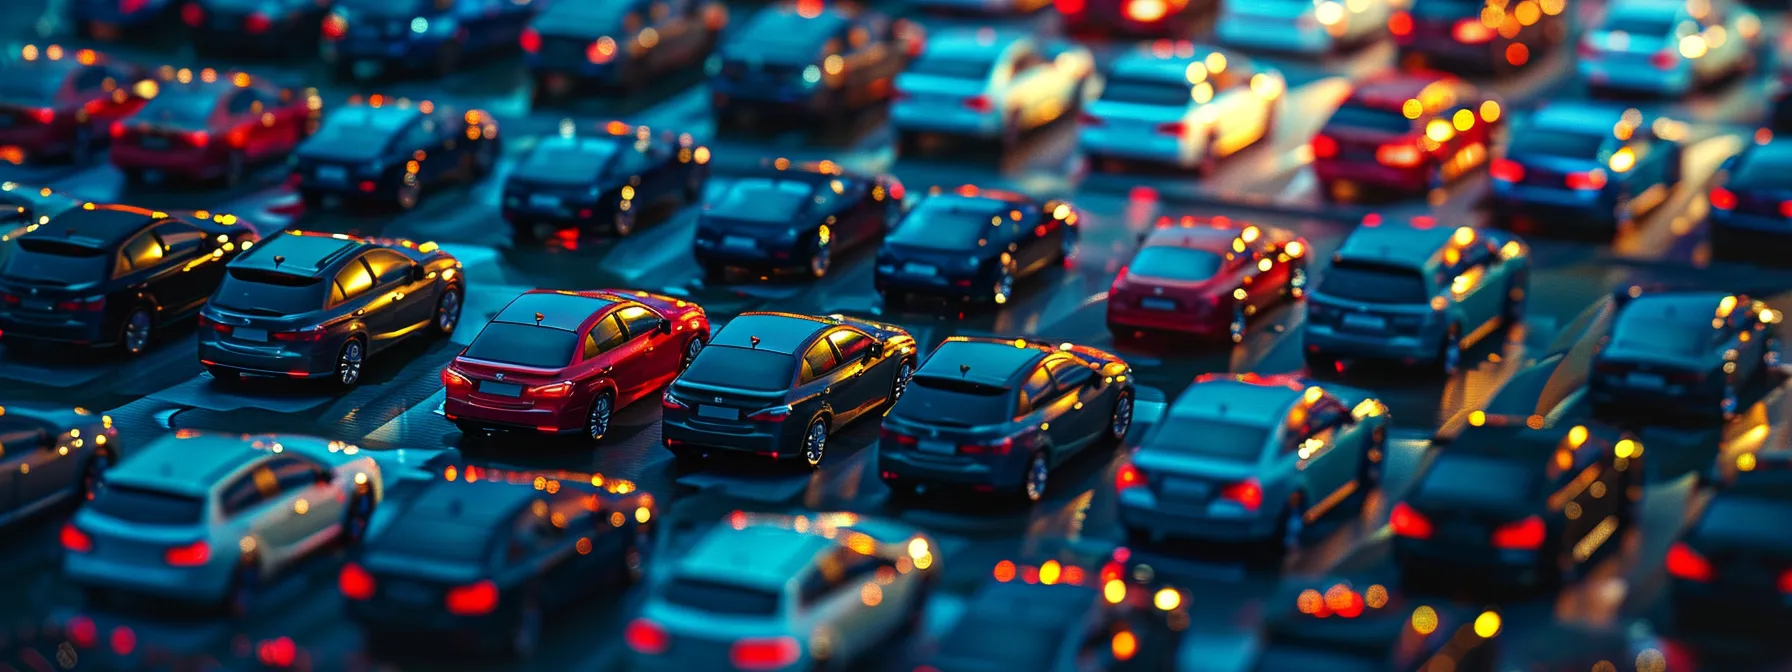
[955, 68]
[721, 598]
[29, 87]
[764, 200]
[178, 108]
[942, 227]
[56, 261]
[1371, 283]
[1224, 440]
[1478, 478]
[561, 163]
[1654, 333]
[149, 507]
[1652, 26]
[1146, 92]
[424, 539]
[358, 124]
[259, 292]
[1370, 118]
[1175, 263]
[1762, 169]
[742, 368]
[945, 400]
[1539, 142]
[524, 345]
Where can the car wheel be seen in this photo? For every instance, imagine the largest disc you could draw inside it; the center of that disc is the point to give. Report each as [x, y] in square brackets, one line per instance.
[1292, 526]
[1513, 312]
[597, 422]
[1297, 283]
[239, 598]
[820, 260]
[1034, 481]
[136, 332]
[815, 442]
[348, 363]
[525, 638]
[355, 521]
[410, 192]
[1120, 422]
[448, 309]
[623, 224]
[91, 473]
[1004, 289]
[900, 385]
[1240, 321]
[691, 350]
[1449, 352]
[236, 169]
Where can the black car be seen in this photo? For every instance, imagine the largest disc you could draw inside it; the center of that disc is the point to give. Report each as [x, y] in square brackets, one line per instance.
[973, 245]
[51, 454]
[1450, 34]
[1731, 559]
[23, 206]
[1751, 203]
[627, 43]
[794, 215]
[1344, 626]
[998, 415]
[390, 151]
[57, 102]
[1676, 351]
[315, 305]
[603, 181]
[257, 26]
[809, 60]
[494, 557]
[778, 384]
[1519, 505]
[1048, 624]
[113, 275]
[364, 38]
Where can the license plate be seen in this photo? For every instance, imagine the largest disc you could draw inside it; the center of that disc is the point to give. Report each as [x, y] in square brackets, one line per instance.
[1157, 304]
[257, 335]
[939, 447]
[919, 269]
[1366, 322]
[1182, 488]
[718, 412]
[1646, 379]
[739, 241]
[332, 174]
[500, 389]
[544, 201]
[155, 142]
[38, 304]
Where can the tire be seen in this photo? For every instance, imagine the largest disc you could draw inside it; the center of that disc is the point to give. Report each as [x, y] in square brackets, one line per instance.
[691, 349]
[138, 330]
[899, 384]
[349, 361]
[1449, 352]
[1035, 479]
[597, 420]
[1241, 322]
[239, 597]
[448, 309]
[815, 441]
[1120, 419]
[356, 517]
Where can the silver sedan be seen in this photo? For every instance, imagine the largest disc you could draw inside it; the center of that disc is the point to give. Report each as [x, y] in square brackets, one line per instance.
[985, 84]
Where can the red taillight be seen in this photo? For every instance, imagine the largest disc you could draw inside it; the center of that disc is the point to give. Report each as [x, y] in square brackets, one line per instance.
[117, 130]
[531, 40]
[977, 104]
[1128, 477]
[900, 438]
[1507, 170]
[1172, 128]
[1686, 564]
[1086, 119]
[131, 6]
[559, 390]
[1665, 59]
[601, 51]
[775, 414]
[1002, 447]
[455, 382]
[1399, 155]
[311, 335]
[1785, 584]
[192, 14]
[10, 299]
[1786, 209]
[75, 540]
[198, 138]
[646, 637]
[43, 115]
[764, 654]
[1526, 534]
[1068, 7]
[85, 305]
[1472, 31]
[1409, 523]
[367, 186]
[191, 555]
[475, 599]
[214, 325]
[1324, 147]
[257, 23]
[355, 582]
[1591, 180]
[335, 27]
[671, 402]
[1248, 494]
[1400, 24]
[1723, 199]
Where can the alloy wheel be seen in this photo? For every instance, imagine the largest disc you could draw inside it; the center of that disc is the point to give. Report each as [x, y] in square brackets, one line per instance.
[815, 443]
[348, 364]
[1005, 287]
[598, 423]
[136, 332]
[691, 350]
[1122, 420]
[1037, 473]
[906, 371]
[448, 312]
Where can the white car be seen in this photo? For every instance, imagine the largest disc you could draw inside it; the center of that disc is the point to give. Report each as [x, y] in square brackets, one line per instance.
[1185, 106]
[1302, 26]
[208, 518]
[1669, 47]
[764, 592]
[985, 84]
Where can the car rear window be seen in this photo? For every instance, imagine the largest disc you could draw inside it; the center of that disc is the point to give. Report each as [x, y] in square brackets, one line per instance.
[1478, 478]
[1369, 118]
[742, 368]
[942, 226]
[562, 163]
[259, 292]
[720, 598]
[1209, 438]
[56, 261]
[1146, 92]
[358, 124]
[764, 200]
[951, 67]
[1652, 26]
[1563, 144]
[524, 345]
[458, 544]
[1374, 283]
[1176, 263]
[1652, 332]
[149, 507]
[183, 109]
[945, 400]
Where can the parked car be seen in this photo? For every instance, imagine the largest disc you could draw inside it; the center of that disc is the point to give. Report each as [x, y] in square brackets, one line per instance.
[368, 152]
[212, 125]
[1183, 108]
[573, 46]
[795, 215]
[1207, 278]
[53, 454]
[365, 38]
[603, 181]
[989, 85]
[60, 103]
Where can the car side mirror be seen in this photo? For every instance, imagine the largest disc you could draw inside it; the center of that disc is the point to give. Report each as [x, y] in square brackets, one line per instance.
[875, 351]
[664, 326]
[418, 273]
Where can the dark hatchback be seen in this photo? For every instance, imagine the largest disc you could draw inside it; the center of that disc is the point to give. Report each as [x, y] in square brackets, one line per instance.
[114, 275]
[973, 245]
[52, 454]
[1734, 558]
[1520, 505]
[603, 182]
[1751, 203]
[255, 26]
[1450, 34]
[627, 43]
[1341, 626]
[779, 384]
[390, 151]
[59, 103]
[821, 62]
[998, 415]
[316, 305]
[1586, 167]
[366, 37]
[490, 561]
[1683, 352]
[794, 215]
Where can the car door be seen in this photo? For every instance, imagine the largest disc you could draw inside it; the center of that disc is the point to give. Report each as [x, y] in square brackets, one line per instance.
[822, 368]
[412, 299]
[860, 219]
[1035, 95]
[608, 350]
[143, 261]
[822, 602]
[352, 291]
[866, 379]
[541, 550]
[836, 590]
[634, 165]
[1040, 407]
[255, 504]
[1324, 454]
[430, 135]
[310, 491]
[184, 251]
[1025, 243]
[653, 358]
[1087, 421]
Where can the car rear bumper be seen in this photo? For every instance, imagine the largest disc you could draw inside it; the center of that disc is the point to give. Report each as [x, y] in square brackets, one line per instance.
[54, 327]
[907, 467]
[562, 420]
[197, 584]
[192, 164]
[1121, 317]
[316, 362]
[689, 435]
[1500, 565]
[1140, 146]
[1140, 510]
[1636, 77]
[1370, 173]
[1323, 339]
[941, 286]
[38, 139]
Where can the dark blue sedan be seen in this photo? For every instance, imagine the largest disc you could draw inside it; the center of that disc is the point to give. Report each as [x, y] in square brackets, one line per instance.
[364, 38]
[1581, 165]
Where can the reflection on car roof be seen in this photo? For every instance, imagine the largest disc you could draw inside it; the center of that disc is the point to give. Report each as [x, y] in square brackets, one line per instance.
[758, 555]
[991, 361]
[782, 333]
[106, 224]
[558, 311]
[1262, 405]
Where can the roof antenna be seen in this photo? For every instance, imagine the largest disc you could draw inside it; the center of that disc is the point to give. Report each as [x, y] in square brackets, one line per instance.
[538, 318]
[278, 260]
[964, 370]
[755, 340]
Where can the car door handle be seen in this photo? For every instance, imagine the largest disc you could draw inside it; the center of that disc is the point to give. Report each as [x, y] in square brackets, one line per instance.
[360, 311]
[398, 296]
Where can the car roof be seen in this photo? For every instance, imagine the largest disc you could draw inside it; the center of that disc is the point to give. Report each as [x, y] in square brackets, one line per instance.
[1147, 64]
[189, 464]
[784, 32]
[1395, 243]
[1688, 309]
[480, 504]
[99, 225]
[1258, 401]
[991, 360]
[767, 556]
[299, 253]
[559, 310]
[782, 333]
[1575, 117]
[1393, 90]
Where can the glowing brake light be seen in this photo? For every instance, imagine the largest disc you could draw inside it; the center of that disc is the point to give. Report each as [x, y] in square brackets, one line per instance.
[1785, 584]
[558, 390]
[455, 382]
[1128, 477]
[1685, 563]
[1086, 119]
[1527, 534]
[1248, 494]
[355, 583]
[192, 14]
[531, 40]
[1786, 209]
[1324, 147]
[1472, 31]
[475, 599]
[670, 402]
[335, 27]
[1399, 155]
[198, 138]
[191, 555]
[1400, 24]
[1172, 128]
[1665, 59]
[1507, 170]
[764, 654]
[1409, 523]
[75, 540]
[996, 448]
[977, 104]
[773, 414]
[257, 23]
[1723, 199]
[1591, 180]
[898, 437]
[646, 637]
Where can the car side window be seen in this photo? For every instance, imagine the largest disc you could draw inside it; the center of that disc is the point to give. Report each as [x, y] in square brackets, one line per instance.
[1070, 375]
[179, 238]
[1325, 414]
[293, 474]
[604, 336]
[819, 360]
[1036, 389]
[141, 252]
[388, 266]
[251, 489]
[352, 281]
[639, 320]
[851, 344]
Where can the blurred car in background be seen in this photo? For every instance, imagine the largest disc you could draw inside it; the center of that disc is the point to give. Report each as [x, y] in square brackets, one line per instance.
[59, 103]
[53, 454]
[980, 83]
[1047, 617]
[112, 20]
[364, 38]
[997, 415]
[1579, 165]
[1751, 203]
[944, 249]
[114, 275]
[1417, 293]
[1727, 561]
[1779, 97]
[794, 215]
[1342, 625]
[317, 305]
[1206, 277]
[780, 384]
[1691, 352]
[389, 151]
[212, 125]
[559, 362]
[822, 589]
[1246, 458]
[1406, 132]
[1484, 36]
[1180, 106]
[496, 557]
[1303, 26]
[1144, 18]
[1519, 502]
[255, 26]
[980, 9]
[603, 181]
[819, 63]
[570, 46]
[23, 206]
[1669, 47]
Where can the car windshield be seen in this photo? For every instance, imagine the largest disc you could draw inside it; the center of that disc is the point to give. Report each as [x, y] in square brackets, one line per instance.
[764, 200]
[716, 597]
[954, 67]
[1763, 171]
[181, 109]
[524, 345]
[1211, 438]
[1170, 262]
[260, 292]
[1146, 92]
[1364, 117]
[1563, 144]
[32, 88]
[147, 507]
[567, 162]
[1374, 283]
[1478, 478]
[948, 400]
[1655, 333]
[358, 125]
[942, 226]
[56, 261]
[742, 368]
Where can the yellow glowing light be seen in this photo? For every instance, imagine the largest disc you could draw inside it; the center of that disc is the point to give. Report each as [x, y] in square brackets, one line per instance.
[1239, 294]
[1463, 236]
[1328, 13]
[1577, 436]
[1487, 624]
[1623, 160]
[1114, 590]
[1265, 264]
[1746, 462]
[1439, 130]
[1202, 92]
[1167, 599]
[1424, 620]
[1216, 62]
[871, 594]
[1693, 46]
[1196, 72]
[1125, 645]
[1050, 572]
[1463, 120]
[1376, 597]
[917, 547]
[643, 514]
[1477, 418]
[1412, 108]
[1295, 249]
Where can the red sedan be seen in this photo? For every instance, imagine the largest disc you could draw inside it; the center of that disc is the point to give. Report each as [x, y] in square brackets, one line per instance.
[213, 125]
[57, 102]
[1207, 277]
[1408, 133]
[562, 362]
